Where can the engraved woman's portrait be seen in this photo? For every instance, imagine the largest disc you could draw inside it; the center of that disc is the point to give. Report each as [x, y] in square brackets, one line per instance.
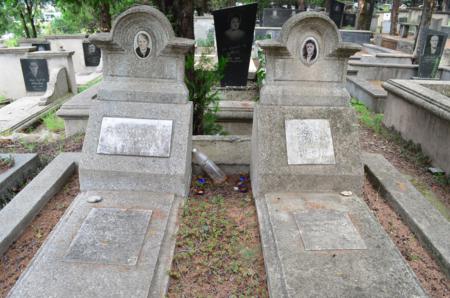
[142, 44]
[309, 51]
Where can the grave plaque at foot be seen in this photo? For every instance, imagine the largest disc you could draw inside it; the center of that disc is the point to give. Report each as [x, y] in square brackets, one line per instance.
[92, 54]
[337, 12]
[35, 74]
[234, 34]
[431, 53]
[118, 236]
[305, 152]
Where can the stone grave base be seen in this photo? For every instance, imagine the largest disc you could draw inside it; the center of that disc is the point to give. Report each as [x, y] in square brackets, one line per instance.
[145, 147]
[327, 161]
[327, 245]
[120, 247]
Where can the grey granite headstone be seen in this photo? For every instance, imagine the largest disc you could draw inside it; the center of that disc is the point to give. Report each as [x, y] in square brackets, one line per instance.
[110, 236]
[139, 137]
[431, 53]
[328, 230]
[92, 54]
[35, 74]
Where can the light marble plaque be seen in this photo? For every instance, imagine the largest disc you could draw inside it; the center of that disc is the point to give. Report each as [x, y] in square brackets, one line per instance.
[138, 137]
[309, 142]
[328, 230]
[110, 236]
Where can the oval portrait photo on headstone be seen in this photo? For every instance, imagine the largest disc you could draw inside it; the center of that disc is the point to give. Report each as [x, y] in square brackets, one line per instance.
[309, 51]
[142, 45]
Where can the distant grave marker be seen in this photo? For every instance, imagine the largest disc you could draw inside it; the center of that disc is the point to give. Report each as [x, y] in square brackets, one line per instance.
[432, 53]
[92, 54]
[41, 46]
[234, 34]
[276, 17]
[337, 12]
[35, 74]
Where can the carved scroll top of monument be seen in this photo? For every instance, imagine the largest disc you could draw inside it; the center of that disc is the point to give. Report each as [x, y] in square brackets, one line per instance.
[143, 32]
[310, 36]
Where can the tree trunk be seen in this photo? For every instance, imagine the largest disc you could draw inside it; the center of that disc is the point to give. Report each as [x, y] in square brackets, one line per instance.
[105, 17]
[183, 10]
[24, 24]
[394, 17]
[445, 5]
[326, 5]
[427, 10]
[301, 5]
[366, 8]
[231, 3]
[29, 13]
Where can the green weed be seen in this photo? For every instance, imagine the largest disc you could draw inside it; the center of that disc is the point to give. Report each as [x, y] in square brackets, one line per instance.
[89, 84]
[53, 122]
[368, 118]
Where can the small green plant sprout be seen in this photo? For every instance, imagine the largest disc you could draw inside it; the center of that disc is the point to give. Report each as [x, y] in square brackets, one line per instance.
[261, 71]
[53, 122]
[6, 162]
[369, 119]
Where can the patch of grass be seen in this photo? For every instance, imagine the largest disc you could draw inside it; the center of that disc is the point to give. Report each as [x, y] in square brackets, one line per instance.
[53, 122]
[431, 197]
[409, 150]
[89, 84]
[6, 162]
[2, 98]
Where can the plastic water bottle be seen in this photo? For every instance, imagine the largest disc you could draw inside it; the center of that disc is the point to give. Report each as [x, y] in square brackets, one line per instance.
[211, 169]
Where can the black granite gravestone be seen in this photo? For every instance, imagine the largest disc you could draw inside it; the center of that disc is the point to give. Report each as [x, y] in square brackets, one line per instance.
[234, 34]
[337, 12]
[431, 53]
[41, 46]
[35, 74]
[349, 19]
[92, 54]
[276, 17]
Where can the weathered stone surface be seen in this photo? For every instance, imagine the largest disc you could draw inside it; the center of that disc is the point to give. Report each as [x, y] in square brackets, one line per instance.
[293, 271]
[110, 236]
[320, 83]
[270, 169]
[138, 137]
[309, 142]
[140, 173]
[327, 230]
[146, 278]
[157, 77]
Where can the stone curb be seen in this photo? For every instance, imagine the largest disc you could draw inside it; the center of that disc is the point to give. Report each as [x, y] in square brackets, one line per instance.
[18, 213]
[24, 165]
[430, 227]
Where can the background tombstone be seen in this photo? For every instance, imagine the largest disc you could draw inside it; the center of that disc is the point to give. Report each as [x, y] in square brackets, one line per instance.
[234, 34]
[35, 74]
[276, 17]
[337, 12]
[349, 19]
[43, 46]
[431, 53]
[92, 54]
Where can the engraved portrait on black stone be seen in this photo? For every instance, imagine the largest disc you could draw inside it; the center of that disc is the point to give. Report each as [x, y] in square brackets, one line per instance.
[92, 54]
[35, 74]
[234, 28]
[142, 44]
[309, 51]
[431, 53]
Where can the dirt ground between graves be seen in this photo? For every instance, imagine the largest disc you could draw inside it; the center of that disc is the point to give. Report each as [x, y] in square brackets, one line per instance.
[20, 253]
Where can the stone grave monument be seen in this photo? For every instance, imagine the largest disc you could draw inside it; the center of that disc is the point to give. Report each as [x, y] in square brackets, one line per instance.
[118, 236]
[431, 53]
[305, 152]
[35, 74]
[234, 34]
[92, 54]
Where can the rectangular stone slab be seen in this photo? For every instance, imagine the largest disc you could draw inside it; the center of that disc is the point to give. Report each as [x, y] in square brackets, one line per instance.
[327, 230]
[294, 271]
[309, 142]
[110, 236]
[51, 274]
[138, 137]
